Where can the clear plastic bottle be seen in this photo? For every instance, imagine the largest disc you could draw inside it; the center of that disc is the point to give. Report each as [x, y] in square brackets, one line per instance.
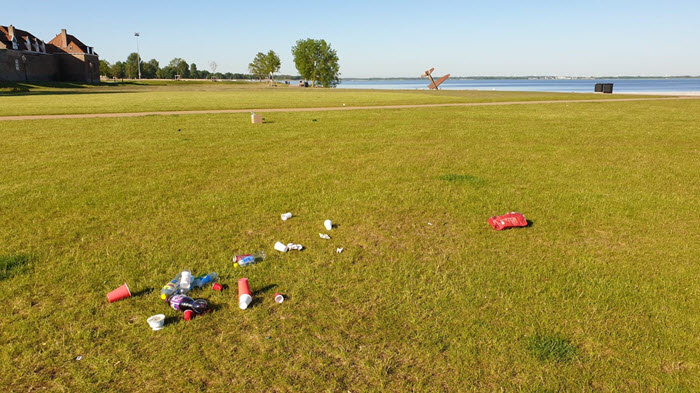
[184, 303]
[248, 259]
[204, 279]
[170, 288]
[185, 282]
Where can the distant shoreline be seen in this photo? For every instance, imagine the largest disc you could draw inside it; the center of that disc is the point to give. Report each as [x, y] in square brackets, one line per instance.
[526, 78]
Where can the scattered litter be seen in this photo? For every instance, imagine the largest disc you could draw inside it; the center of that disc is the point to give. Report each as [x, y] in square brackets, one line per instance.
[279, 298]
[268, 337]
[78, 358]
[120, 293]
[217, 286]
[189, 315]
[339, 250]
[286, 216]
[324, 236]
[508, 220]
[244, 295]
[328, 224]
[156, 321]
[281, 247]
[249, 259]
[292, 246]
[255, 119]
[430, 223]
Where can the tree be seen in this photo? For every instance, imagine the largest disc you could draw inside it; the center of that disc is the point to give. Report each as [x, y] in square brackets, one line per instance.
[194, 73]
[105, 69]
[118, 70]
[181, 67]
[150, 70]
[317, 61]
[132, 66]
[265, 64]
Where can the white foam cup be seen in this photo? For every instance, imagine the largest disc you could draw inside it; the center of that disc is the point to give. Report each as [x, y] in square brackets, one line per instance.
[281, 247]
[244, 301]
[286, 216]
[156, 321]
[328, 224]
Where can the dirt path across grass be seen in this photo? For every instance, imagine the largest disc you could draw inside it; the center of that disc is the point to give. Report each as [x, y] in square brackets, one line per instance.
[324, 109]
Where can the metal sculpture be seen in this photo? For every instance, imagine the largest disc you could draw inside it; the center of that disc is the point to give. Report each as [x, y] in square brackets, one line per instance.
[434, 83]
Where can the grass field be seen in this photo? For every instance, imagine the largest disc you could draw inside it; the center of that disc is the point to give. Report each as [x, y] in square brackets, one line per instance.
[600, 293]
[148, 97]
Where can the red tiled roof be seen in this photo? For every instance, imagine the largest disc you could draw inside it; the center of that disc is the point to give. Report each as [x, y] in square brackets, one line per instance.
[70, 40]
[20, 36]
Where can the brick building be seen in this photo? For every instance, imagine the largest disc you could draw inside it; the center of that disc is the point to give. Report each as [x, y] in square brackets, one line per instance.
[26, 58]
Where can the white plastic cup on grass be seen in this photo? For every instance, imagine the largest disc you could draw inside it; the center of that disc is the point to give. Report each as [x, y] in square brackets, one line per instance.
[156, 322]
[328, 224]
[281, 247]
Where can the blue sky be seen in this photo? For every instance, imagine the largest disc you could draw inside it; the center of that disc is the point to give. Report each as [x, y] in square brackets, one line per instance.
[390, 38]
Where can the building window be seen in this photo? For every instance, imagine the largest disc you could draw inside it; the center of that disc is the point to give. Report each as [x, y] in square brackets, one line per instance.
[17, 64]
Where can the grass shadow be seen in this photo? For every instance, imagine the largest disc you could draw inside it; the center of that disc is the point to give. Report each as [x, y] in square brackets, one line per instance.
[551, 348]
[463, 179]
[12, 265]
[142, 292]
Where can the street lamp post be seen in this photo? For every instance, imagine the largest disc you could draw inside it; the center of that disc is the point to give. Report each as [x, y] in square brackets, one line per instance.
[138, 54]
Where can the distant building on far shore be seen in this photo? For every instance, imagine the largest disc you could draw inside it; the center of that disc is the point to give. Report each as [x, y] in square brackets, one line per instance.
[26, 58]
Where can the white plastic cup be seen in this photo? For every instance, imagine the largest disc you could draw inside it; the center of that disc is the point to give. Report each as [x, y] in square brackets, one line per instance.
[156, 321]
[328, 224]
[286, 216]
[279, 298]
[244, 301]
[281, 247]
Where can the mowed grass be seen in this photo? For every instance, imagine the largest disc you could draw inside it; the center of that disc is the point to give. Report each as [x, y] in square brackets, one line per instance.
[150, 97]
[600, 293]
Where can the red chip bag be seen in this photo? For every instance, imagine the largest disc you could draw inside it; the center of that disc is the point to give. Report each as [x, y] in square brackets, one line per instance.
[509, 220]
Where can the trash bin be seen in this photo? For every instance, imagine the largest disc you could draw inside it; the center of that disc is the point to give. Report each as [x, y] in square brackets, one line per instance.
[598, 88]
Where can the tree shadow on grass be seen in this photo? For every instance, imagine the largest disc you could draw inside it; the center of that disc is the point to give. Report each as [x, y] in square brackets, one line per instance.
[12, 265]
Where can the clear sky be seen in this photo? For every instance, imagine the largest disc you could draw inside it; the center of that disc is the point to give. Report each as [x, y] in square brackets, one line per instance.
[390, 38]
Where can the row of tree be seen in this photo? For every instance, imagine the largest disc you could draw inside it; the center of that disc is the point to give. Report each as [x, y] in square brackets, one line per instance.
[315, 60]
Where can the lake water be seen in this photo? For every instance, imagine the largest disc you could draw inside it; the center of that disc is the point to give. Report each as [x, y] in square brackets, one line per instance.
[674, 85]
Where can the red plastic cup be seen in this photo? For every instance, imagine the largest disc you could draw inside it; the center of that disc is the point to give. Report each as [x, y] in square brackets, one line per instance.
[120, 293]
[217, 286]
[243, 287]
[244, 295]
[189, 315]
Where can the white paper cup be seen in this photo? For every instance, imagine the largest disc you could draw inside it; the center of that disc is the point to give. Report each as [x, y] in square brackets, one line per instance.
[328, 224]
[244, 301]
[286, 216]
[279, 298]
[281, 247]
[156, 321]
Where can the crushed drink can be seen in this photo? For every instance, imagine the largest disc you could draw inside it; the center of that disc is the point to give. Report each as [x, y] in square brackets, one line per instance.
[509, 220]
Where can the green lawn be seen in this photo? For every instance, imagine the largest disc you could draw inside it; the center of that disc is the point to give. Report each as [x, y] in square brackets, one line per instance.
[601, 293]
[108, 98]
